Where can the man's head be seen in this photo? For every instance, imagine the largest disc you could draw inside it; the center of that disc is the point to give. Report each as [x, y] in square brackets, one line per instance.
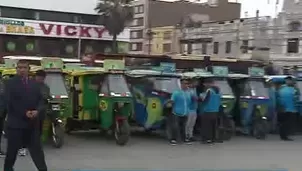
[289, 81]
[184, 84]
[22, 68]
[40, 76]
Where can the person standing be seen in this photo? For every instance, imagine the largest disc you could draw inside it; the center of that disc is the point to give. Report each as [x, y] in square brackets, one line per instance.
[286, 108]
[176, 121]
[24, 102]
[191, 118]
[210, 108]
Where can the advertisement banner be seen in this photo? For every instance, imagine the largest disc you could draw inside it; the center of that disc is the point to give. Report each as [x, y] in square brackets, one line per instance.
[58, 30]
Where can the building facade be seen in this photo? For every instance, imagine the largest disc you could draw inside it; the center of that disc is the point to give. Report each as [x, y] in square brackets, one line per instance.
[44, 32]
[164, 41]
[269, 39]
[150, 14]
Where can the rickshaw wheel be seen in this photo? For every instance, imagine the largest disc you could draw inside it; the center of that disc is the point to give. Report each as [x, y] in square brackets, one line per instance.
[122, 132]
[226, 128]
[260, 129]
[58, 138]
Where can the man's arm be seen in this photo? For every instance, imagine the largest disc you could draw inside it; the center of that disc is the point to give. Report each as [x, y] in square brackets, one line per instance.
[43, 99]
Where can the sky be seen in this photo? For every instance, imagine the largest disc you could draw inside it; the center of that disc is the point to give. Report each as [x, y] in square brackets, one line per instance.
[265, 7]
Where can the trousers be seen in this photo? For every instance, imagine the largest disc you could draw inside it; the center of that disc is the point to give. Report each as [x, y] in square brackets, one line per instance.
[285, 120]
[29, 138]
[176, 126]
[191, 120]
[208, 126]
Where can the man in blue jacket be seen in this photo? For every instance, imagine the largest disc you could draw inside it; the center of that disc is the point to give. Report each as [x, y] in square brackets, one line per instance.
[24, 102]
[176, 121]
[210, 108]
[286, 108]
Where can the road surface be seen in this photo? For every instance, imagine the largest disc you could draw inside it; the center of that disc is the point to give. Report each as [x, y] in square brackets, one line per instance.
[90, 151]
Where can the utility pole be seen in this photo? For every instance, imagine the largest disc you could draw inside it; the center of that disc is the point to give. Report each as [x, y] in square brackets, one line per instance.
[79, 41]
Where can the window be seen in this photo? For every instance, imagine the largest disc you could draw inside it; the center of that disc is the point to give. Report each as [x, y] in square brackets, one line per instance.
[228, 47]
[90, 19]
[17, 13]
[139, 9]
[56, 84]
[137, 34]
[204, 47]
[136, 46]
[167, 47]
[224, 87]
[216, 48]
[138, 21]
[167, 35]
[56, 16]
[245, 46]
[293, 45]
[116, 84]
[166, 84]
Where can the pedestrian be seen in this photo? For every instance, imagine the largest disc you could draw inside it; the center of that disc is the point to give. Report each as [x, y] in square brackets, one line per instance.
[286, 108]
[176, 121]
[191, 118]
[24, 102]
[211, 102]
[45, 90]
[2, 113]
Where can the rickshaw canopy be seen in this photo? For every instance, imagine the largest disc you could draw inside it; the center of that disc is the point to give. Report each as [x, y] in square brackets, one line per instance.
[144, 73]
[278, 78]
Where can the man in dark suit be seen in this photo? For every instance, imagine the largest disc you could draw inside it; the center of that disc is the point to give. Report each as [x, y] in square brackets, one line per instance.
[24, 102]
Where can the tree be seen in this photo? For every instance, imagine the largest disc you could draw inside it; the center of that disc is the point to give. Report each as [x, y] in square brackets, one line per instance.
[116, 14]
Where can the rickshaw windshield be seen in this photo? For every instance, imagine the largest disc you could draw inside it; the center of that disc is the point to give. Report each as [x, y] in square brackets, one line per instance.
[166, 84]
[258, 88]
[56, 84]
[224, 87]
[117, 84]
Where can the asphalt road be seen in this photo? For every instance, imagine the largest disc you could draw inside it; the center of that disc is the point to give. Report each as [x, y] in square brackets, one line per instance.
[90, 151]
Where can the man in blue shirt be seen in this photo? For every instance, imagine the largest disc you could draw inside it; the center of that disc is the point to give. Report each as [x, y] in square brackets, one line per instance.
[286, 108]
[176, 121]
[210, 109]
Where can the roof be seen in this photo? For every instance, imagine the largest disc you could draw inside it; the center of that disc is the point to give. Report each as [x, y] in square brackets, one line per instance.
[142, 73]
[197, 74]
[238, 76]
[36, 58]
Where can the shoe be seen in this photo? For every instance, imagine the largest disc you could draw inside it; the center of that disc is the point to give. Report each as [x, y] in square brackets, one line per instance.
[188, 141]
[287, 139]
[2, 154]
[22, 152]
[218, 141]
[173, 142]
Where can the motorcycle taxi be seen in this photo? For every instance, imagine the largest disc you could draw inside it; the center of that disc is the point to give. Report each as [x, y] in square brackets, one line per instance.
[152, 89]
[251, 104]
[101, 99]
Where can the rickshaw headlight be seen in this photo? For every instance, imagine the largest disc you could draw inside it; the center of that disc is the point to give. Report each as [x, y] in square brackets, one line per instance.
[224, 106]
[258, 107]
[55, 107]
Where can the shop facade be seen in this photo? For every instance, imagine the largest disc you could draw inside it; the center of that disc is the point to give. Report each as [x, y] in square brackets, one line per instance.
[58, 39]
